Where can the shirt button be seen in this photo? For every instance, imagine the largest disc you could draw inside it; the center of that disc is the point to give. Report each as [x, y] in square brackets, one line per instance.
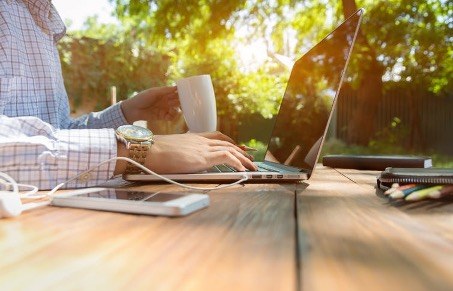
[85, 177]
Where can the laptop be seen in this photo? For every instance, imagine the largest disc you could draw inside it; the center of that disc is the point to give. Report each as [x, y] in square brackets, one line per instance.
[303, 118]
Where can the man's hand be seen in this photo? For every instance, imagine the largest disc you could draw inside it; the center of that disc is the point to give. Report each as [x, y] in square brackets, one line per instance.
[152, 104]
[191, 153]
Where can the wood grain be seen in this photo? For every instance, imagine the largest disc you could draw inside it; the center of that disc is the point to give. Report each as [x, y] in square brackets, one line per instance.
[351, 238]
[245, 240]
[337, 234]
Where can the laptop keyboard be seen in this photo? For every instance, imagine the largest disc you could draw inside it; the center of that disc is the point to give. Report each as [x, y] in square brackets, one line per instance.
[221, 169]
[227, 169]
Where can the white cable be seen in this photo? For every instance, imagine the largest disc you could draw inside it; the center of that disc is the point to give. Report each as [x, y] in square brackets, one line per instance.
[51, 192]
[9, 181]
[31, 193]
[243, 179]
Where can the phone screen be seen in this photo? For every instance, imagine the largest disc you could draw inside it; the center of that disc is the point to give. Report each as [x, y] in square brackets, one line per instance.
[120, 194]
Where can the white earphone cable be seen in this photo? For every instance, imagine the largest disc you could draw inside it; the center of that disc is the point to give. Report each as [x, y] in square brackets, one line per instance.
[51, 192]
[10, 184]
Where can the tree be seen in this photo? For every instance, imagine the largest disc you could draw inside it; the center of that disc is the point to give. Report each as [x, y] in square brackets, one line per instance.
[370, 85]
[99, 57]
[199, 37]
[402, 43]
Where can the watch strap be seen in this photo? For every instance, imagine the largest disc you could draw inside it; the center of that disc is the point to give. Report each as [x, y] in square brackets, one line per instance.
[138, 153]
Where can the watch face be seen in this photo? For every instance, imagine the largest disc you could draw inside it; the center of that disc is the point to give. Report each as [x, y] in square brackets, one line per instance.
[134, 132]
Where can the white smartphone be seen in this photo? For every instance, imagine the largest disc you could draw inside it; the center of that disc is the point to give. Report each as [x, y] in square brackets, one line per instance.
[133, 201]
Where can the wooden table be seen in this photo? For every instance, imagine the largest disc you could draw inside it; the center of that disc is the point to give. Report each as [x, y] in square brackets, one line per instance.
[336, 234]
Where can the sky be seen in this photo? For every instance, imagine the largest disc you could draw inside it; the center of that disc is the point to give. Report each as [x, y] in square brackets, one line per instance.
[78, 11]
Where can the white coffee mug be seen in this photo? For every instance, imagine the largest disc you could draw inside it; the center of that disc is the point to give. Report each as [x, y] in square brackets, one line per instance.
[198, 104]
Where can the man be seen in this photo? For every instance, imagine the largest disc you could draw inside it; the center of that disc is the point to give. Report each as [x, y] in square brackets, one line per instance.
[41, 145]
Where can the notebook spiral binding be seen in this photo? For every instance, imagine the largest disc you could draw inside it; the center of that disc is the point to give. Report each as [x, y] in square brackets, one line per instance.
[418, 180]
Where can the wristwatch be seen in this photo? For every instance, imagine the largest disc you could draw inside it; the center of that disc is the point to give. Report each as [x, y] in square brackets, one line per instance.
[138, 141]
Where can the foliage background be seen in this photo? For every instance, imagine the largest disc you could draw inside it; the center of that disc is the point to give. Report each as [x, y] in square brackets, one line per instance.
[405, 49]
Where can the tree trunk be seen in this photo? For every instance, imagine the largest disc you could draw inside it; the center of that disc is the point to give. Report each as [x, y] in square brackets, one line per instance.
[362, 125]
[349, 7]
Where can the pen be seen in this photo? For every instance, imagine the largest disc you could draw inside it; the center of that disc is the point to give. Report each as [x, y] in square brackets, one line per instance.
[401, 193]
[421, 194]
[392, 188]
[397, 187]
[447, 189]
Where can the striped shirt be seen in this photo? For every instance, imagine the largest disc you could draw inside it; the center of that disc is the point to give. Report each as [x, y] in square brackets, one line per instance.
[39, 143]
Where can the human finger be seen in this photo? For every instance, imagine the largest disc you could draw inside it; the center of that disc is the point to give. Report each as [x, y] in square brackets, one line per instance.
[244, 158]
[173, 101]
[225, 157]
[166, 90]
[215, 142]
[161, 115]
[216, 135]
[171, 114]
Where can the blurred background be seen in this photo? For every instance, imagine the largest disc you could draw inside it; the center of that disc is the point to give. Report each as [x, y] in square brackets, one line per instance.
[397, 97]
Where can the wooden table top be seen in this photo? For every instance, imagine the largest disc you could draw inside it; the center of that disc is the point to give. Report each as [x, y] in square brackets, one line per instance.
[338, 233]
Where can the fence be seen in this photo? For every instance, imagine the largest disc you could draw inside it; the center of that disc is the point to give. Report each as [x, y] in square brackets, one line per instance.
[427, 120]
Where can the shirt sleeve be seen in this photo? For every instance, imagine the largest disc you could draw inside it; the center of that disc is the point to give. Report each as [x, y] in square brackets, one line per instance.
[34, 152]
[111, 117]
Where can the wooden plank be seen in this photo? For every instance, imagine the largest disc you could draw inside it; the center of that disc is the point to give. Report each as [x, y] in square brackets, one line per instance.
[245, 240]
[352, 239]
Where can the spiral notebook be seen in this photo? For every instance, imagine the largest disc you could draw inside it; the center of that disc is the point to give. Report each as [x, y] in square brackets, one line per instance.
[429, 176]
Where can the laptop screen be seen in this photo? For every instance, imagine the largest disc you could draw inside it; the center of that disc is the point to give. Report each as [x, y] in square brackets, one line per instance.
[309, 98]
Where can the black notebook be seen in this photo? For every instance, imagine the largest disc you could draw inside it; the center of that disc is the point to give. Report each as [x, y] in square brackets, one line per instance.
[375, 162]
[431, 176]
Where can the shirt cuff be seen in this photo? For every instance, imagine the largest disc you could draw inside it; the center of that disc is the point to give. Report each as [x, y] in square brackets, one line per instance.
[113, 116]
[77, 151]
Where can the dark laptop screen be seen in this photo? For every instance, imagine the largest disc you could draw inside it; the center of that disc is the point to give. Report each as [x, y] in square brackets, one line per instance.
[309, 98]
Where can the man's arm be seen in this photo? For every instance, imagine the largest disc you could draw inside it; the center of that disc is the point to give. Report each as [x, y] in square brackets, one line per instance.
[111, 117]
[34, 152]
[159, 103]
